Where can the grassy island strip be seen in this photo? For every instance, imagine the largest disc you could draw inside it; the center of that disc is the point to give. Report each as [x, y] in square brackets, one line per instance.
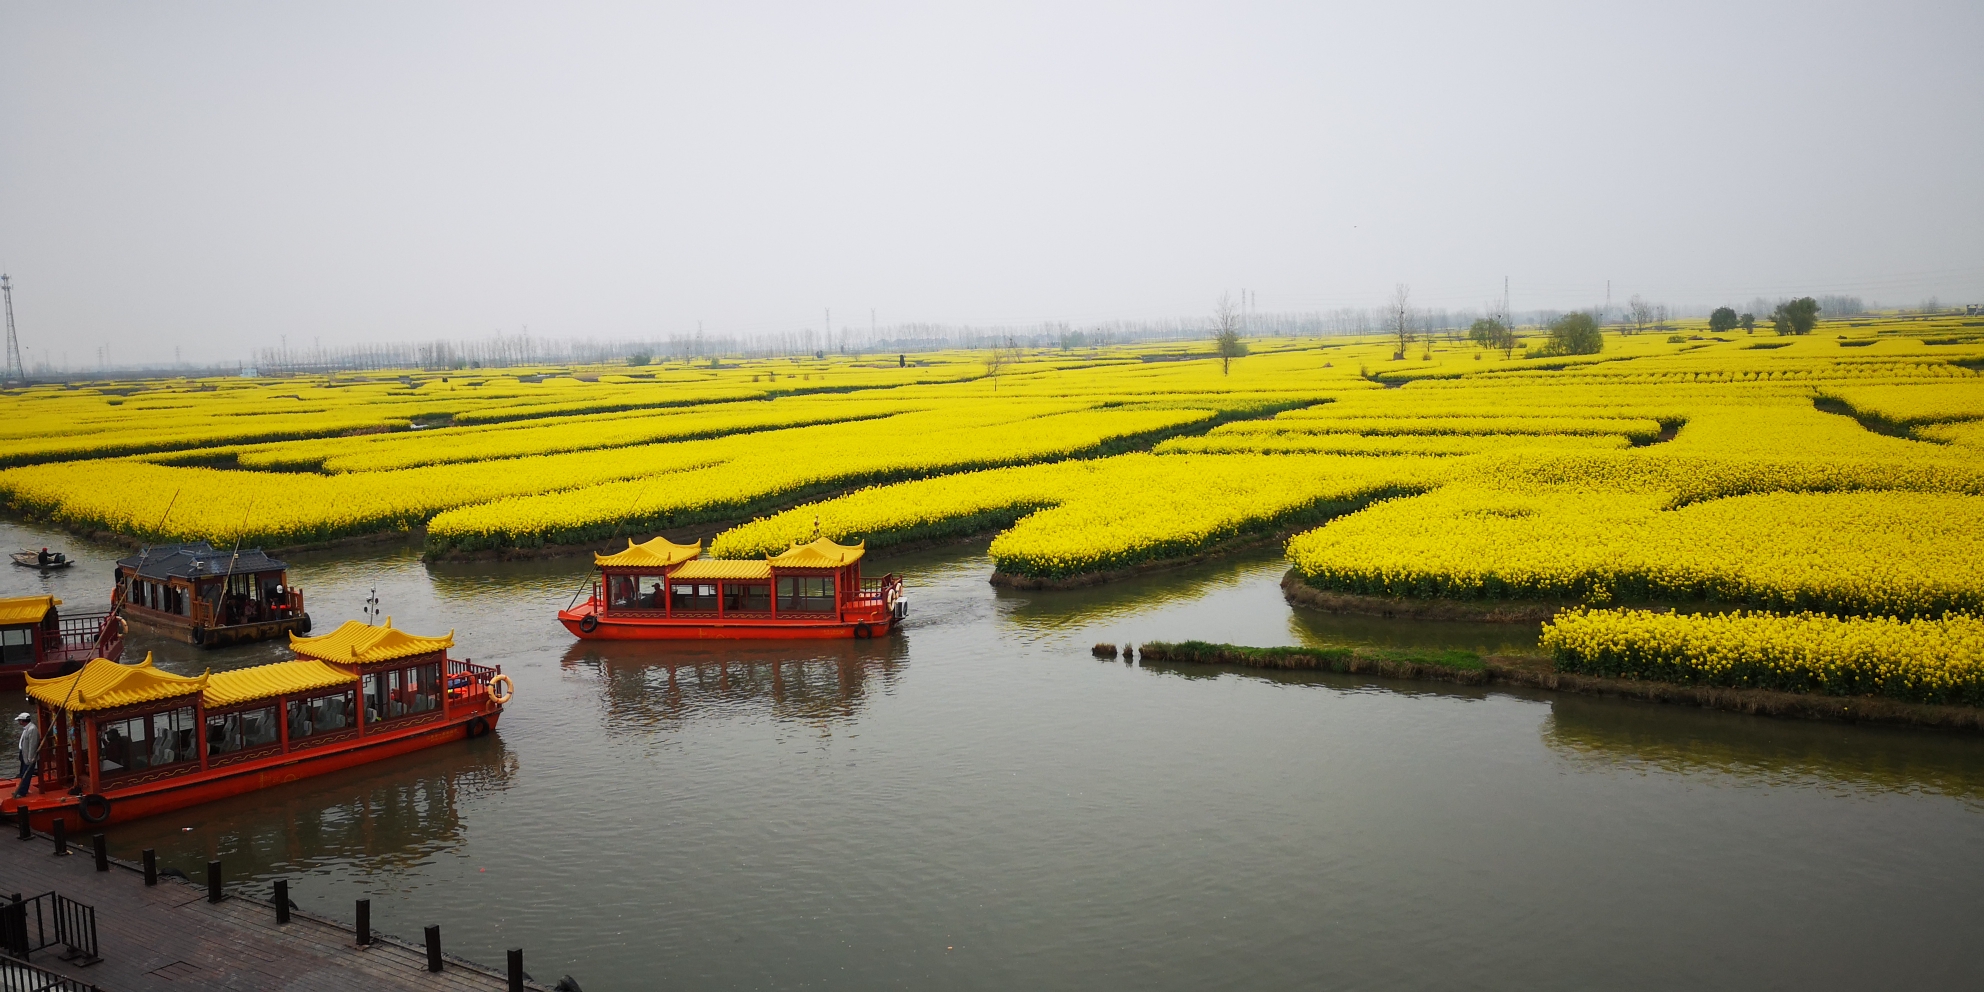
[1577, 666]
[1445, 666]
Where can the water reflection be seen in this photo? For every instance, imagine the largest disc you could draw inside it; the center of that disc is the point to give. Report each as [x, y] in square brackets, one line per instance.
[662, 685]
[1596, 732]
[389, 818]
[1600, 734]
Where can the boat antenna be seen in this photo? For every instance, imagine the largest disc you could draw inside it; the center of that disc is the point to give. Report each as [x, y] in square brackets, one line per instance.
[371, 607]
[586, 580]
[235, 556]
[123, 593]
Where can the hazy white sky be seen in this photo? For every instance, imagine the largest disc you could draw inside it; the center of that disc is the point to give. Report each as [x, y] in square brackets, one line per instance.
[216, 176]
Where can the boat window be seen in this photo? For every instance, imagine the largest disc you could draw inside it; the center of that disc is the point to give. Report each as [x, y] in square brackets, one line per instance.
[747, 597]
[230, 732]
[806, 594]
[423, 688]
[620, 592]
[320, 714]
[694, 595]
[384, 696]
[17, 645]
[153, 740]
[402, 692]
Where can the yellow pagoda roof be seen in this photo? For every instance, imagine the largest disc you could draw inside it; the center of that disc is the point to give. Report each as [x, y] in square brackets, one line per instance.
[103, 684]
[26, 609]
[658, 553]
[822, 553]
[723, 568]
[267, 681]
[357, 643]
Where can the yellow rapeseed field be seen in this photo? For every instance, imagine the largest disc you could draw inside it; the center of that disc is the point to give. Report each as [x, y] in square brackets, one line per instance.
[1831, 475]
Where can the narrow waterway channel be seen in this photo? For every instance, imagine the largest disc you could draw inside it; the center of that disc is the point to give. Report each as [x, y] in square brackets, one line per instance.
[976, 802]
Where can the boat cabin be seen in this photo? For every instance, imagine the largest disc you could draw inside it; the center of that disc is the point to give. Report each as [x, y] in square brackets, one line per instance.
[660, 589]
[132, 737]
[209, 597]
[36, 639]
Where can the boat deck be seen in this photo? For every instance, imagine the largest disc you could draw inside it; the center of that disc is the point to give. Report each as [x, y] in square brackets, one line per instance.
[168, 938]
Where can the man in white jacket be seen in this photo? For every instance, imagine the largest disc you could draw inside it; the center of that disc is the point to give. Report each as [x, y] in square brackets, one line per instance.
[30, 752]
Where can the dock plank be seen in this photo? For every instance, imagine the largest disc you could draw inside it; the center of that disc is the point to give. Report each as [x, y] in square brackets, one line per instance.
[168, 938]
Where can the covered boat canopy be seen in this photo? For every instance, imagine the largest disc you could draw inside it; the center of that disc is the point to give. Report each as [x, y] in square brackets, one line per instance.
[26, 609]
[357, 643]
[198, 560]
[723, 568]
[284, 678]
[822, 553]
[104, 685]
[657, 554]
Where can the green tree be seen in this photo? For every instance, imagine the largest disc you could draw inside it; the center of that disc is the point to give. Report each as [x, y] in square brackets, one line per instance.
[1489, 332]
[1574, 334]
[1749, 323]
[1796, 317]
[1722, 321]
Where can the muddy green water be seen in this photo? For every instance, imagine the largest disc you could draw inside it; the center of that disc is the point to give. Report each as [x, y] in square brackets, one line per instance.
[977, 803]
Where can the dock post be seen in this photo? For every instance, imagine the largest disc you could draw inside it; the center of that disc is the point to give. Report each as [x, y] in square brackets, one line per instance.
[61, 833]
[101, 847]
[516, 969]
[364, 925]
[282, 900]
[434, 948]
[151, 867]
[213, 881]
[27, 832]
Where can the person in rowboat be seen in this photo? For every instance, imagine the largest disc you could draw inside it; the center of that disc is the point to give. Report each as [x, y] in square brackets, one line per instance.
[30, 752]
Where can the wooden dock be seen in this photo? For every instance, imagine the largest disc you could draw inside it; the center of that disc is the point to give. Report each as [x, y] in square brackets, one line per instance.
[168, 937]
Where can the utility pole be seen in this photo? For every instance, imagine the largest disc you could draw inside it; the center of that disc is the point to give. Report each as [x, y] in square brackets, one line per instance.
[1508, 319]
[17, 374]
[1608, 302]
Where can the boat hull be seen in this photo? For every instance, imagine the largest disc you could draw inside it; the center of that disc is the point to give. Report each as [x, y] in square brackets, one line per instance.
[195, 787]
[179, 628]
[669, 629]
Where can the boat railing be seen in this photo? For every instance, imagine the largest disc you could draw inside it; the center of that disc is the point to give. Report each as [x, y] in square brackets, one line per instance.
[467, 678]
[29, 925]
[877, 590]
[82, 636]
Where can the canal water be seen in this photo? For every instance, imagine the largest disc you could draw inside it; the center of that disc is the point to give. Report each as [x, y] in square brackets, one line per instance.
[978, 803]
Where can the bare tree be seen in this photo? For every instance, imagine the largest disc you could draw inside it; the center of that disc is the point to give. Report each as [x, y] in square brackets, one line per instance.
[995, 363]
[1640, 312]
[1398, 317]
[1226, 333]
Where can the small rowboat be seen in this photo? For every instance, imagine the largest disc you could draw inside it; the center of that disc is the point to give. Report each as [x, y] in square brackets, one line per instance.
[32, 559]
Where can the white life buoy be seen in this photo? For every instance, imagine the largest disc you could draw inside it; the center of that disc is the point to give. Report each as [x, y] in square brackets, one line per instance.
[509, 689]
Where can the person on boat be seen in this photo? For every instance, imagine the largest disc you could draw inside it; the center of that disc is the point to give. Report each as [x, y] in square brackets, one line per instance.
[43, 558]
[30, 752]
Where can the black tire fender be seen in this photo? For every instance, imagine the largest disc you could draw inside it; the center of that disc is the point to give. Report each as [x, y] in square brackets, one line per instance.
[863, 631]
[477, 727]
[590, 623]
[95, 808]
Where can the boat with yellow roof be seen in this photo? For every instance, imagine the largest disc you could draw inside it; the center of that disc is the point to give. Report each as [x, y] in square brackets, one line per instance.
[662, 590]
[122, 741]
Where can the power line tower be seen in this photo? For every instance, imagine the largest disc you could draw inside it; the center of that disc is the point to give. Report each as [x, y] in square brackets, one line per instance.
[17, 374]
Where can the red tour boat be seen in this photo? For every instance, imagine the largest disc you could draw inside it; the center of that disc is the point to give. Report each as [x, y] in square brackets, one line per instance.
[124, 741]
[662, 590]
[37, 639]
